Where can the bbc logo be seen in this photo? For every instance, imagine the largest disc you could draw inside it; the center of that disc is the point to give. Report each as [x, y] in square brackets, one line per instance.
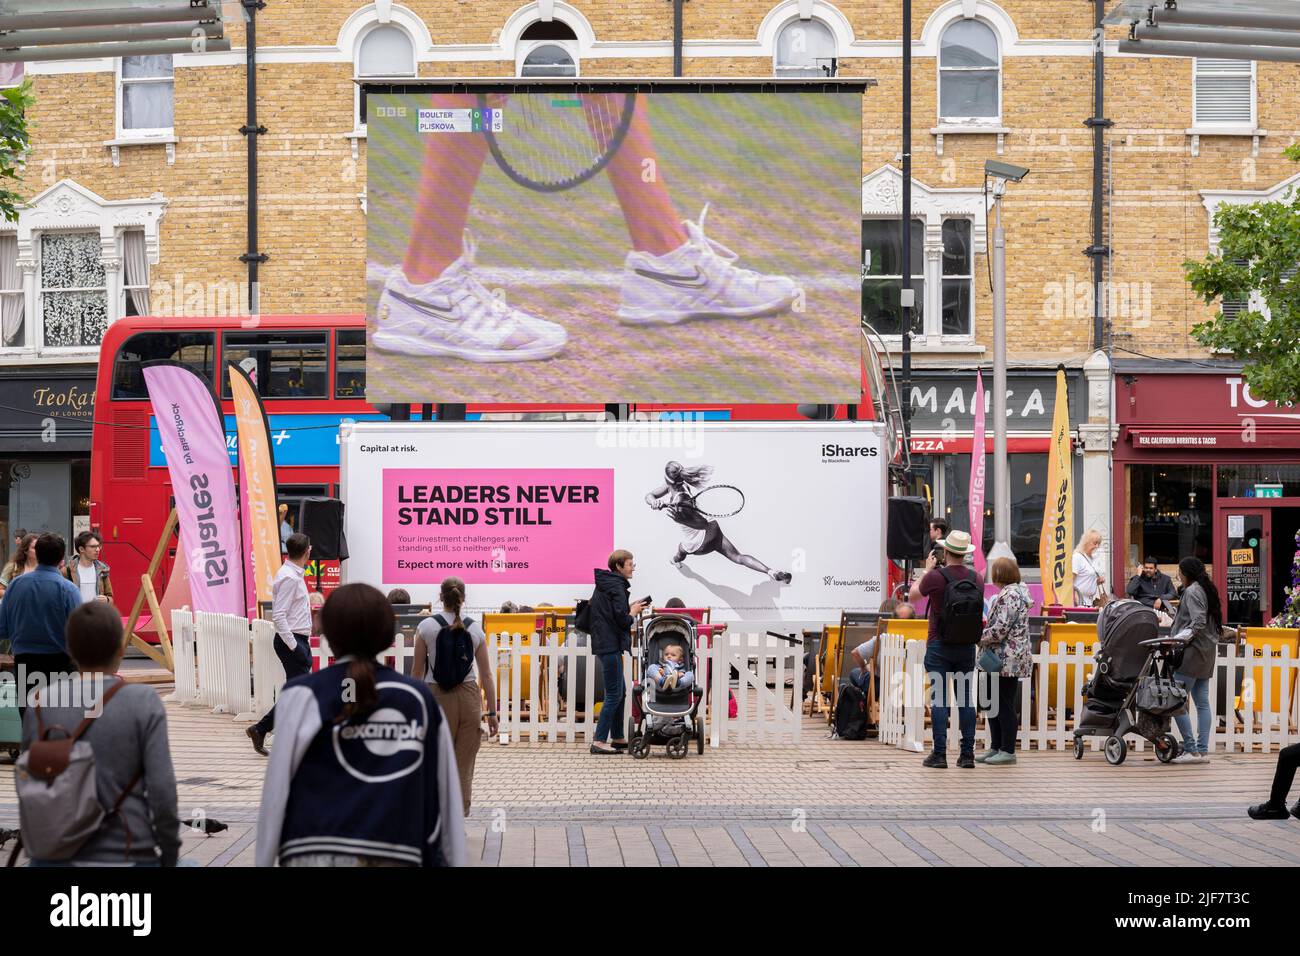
[391, 110]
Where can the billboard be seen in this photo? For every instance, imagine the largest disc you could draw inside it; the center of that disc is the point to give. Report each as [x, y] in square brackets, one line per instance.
[760, 521]
[614, 246]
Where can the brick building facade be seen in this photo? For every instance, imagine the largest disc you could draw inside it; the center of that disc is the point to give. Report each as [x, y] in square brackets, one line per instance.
[147, 166]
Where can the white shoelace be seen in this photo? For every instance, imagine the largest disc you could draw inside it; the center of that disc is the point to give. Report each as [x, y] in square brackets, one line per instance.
[498, 311]
[715, 248]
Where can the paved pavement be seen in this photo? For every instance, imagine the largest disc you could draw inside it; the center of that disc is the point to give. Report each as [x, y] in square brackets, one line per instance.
[823, 803]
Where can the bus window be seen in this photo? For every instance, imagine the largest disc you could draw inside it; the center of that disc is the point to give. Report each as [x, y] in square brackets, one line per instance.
[284, 364]
[194, 349]
[350, 363]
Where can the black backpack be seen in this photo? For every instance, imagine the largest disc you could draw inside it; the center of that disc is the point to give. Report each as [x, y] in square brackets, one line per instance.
[582, 616]
[962, 619]
[453, 653]
[851, 713]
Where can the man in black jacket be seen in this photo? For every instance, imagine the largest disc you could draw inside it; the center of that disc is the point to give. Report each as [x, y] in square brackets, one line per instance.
[1152, 587]
[611, 637]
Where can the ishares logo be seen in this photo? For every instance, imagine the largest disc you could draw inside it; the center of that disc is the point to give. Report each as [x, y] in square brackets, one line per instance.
[833, 452]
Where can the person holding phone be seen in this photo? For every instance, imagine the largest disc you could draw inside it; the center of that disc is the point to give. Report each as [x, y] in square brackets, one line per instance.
[612, 618]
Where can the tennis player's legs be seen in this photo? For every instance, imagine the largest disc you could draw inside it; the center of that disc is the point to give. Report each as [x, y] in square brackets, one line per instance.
[450, 172]
[452, 165]
[729, 551]
[653, 223]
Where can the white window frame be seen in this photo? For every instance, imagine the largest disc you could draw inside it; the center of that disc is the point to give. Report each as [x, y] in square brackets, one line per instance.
[931, 275]
[1246, 126]
[137, 134]
[358, 127]
[918, 270]
[968, 278]
[42, 290]
[966, 121]
[70, 207]
[882, 199]
[524, 47]
[777, 71]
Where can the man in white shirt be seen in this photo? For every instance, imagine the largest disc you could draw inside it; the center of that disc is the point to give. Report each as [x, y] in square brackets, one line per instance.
[291, 612]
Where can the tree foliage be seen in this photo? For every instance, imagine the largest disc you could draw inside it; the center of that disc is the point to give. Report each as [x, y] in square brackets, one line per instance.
[1265, 236]
[14, 145]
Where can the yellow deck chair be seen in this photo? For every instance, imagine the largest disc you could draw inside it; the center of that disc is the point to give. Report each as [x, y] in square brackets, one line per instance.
[525, 624]
[1254, 642]
[1066, 635]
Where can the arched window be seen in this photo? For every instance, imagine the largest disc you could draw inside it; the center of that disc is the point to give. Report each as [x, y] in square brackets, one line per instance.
[970, 72]
[547, 49]
[805, 48]
[383, 51]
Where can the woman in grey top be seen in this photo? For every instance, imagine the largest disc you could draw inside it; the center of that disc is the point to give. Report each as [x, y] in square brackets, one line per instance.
[129, 739]
[1199, 612]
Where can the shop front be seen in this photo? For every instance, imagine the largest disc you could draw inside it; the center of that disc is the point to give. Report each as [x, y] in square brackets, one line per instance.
[1203, 468]
[943, 420]
[45, 451]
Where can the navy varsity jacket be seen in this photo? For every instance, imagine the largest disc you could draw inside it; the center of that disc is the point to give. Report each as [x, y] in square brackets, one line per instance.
[383, 786]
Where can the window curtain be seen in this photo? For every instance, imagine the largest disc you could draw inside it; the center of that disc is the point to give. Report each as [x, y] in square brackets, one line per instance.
[147, 105]
[11, 308]
[74, 261]
[137, 269]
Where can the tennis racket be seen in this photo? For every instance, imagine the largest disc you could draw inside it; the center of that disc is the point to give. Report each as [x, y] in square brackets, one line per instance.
[717, 501]
[550, 142]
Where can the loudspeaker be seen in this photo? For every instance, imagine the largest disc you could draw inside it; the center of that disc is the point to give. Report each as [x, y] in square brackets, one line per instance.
[908, 537]
[321, 519]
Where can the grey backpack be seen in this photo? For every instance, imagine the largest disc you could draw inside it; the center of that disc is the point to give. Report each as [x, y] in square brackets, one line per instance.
[58, 803]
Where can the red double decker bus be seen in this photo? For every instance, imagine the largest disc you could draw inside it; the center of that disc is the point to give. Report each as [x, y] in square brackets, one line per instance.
[311, 372]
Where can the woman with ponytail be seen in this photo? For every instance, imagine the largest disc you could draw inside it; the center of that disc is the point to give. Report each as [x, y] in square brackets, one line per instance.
[1200, 618]
[462, 701]
[362, 772]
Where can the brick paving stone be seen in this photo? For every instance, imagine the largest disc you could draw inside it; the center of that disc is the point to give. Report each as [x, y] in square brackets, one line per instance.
[771, 847]
[602, 846]
[517, 846]
[721, 847]
[634, 843]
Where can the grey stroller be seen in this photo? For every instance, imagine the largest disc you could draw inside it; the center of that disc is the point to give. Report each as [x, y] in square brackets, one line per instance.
[1133, 688]
[667, 717]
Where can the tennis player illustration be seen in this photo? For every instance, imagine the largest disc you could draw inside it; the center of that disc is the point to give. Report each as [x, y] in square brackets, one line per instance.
[435, 306]
[696, 507]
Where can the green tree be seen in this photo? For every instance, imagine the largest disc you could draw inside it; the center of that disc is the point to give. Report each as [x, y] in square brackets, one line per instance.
[14, 145]
[1259, 249]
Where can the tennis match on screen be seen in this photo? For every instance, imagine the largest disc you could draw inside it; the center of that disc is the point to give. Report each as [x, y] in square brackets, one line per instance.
[679, 243]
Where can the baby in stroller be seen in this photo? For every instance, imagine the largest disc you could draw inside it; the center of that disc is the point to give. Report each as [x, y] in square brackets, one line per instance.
[666, 705]
[671, 673]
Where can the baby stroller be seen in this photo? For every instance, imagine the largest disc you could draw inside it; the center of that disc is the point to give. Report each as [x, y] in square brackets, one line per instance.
[669, 717]
[1133, 688]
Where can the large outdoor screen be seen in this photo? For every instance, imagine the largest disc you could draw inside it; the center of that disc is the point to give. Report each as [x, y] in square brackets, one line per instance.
[614, 246]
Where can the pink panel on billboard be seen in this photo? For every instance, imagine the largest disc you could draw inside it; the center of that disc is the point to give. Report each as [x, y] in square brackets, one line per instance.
[496, 525]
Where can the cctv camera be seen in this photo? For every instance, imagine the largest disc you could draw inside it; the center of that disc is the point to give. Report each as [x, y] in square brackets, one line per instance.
[1005, 170]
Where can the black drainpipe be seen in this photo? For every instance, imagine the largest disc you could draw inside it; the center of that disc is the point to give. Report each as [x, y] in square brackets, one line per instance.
[677, 36]
[1099, 251]
[252, 130]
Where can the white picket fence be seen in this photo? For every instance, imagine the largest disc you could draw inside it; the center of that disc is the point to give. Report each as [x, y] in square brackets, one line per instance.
[229, 664]
[1268, 719]
[533, 707]
[215, 657]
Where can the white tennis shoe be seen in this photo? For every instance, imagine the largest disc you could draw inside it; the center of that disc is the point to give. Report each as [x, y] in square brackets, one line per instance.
[697, 280]
[455, 316]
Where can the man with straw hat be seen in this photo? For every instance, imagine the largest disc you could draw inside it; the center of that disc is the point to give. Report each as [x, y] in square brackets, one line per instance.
[955, 595]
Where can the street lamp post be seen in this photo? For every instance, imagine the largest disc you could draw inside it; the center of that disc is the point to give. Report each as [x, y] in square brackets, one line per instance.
[1001, 174]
